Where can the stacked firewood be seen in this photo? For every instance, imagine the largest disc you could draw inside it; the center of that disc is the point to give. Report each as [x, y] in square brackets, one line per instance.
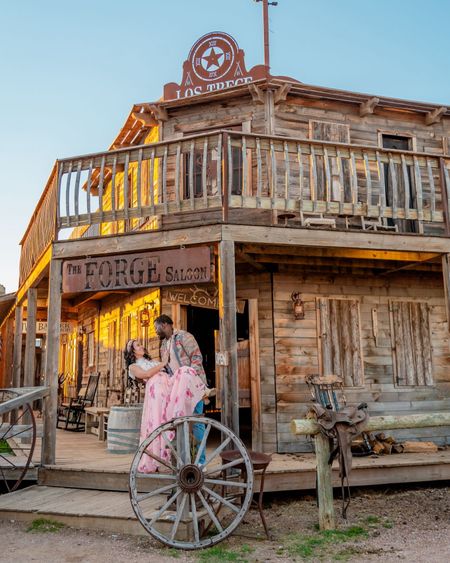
[381, 444]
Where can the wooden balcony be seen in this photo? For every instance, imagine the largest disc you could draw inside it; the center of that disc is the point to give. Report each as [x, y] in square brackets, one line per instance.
[241, 178]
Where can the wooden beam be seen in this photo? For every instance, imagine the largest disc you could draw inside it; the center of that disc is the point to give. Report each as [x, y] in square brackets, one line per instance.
[281, 93]
[246, 258]
[368, 107]
[146, 119]
[446, 279]
[36, 274]
[150, 240]
[435, 116]
[332, 239]
[256, 93]
[82, 298]
[337, 253]
[315, 261]
[159, 112]
[17, 354]
[228, 336]
[50, 411]
[30, 339]
[309, 427]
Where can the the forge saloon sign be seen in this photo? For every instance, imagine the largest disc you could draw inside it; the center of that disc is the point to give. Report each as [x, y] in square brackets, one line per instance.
[131, 271]
[215, 62]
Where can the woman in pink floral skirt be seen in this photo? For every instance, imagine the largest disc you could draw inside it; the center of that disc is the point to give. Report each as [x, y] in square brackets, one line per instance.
[166, 397]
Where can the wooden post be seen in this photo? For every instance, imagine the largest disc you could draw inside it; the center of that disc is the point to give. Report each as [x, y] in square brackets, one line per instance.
[445, 195]
[446, 279]
[30, 338]
[51, 364]
[255, 377]
[266, 37]
[17, 357]
[309, 427]
[225, 178]
[9, 352]
[228, 336]
[327, 519]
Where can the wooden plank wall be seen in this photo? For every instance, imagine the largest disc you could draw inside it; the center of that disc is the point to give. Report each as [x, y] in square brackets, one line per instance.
[99, 317]
[296, 346]
[260, 286]
[293, 116]
[303, 118]
[189, 120]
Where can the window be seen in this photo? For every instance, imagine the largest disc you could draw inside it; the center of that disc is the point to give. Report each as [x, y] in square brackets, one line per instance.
[411, 343]
[213, 168]
[335, 133]
[404, 193]
[339, 333]
[91, 349]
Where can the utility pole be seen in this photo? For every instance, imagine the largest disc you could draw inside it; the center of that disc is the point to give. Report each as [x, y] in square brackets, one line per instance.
[266, 5]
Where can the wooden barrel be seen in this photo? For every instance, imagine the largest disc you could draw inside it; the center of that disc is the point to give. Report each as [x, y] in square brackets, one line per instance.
[124, 425]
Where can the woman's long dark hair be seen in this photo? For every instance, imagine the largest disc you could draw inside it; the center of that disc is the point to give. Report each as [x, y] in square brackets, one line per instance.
[130, 358]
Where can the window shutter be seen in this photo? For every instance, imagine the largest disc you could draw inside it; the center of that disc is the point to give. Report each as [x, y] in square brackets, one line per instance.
[411, 343]
[341, 339]
[334, 133]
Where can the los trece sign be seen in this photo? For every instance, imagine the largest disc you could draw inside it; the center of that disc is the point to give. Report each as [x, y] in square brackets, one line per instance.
[131, 271]
[214, 63]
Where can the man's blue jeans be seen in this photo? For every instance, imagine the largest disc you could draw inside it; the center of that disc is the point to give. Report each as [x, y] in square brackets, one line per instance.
[198, 430]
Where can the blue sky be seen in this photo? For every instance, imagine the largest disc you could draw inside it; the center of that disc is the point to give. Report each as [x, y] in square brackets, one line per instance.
[70, 71]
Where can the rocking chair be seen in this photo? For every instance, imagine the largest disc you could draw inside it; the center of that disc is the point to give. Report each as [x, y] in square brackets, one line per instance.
[71, 414]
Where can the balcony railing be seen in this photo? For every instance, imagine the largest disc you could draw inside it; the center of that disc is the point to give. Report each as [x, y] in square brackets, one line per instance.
[356, 186]
[41, 229]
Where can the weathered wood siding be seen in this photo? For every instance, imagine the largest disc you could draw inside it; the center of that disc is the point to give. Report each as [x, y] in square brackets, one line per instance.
[298, 348]
[334, 121]
[293, 117]
[114, 321]
[260, 286]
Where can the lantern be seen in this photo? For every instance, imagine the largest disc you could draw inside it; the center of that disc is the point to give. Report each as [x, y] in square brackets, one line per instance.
[297, 306]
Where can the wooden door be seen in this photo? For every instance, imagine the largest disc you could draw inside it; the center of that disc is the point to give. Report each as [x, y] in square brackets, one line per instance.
[411, 343]
[340, 339]
[243, 349]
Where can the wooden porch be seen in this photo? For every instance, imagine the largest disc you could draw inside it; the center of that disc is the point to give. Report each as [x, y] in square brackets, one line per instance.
[87, 487]
[82, 461]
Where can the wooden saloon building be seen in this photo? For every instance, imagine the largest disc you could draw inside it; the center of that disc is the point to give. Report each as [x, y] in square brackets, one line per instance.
[293, 229]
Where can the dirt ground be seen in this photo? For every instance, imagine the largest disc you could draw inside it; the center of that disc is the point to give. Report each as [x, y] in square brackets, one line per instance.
[411, 524]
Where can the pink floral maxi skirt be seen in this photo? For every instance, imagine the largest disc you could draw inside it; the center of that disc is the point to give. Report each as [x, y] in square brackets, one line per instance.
[166, 398]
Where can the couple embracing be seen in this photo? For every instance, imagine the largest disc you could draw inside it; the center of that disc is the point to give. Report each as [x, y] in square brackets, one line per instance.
[175, 386]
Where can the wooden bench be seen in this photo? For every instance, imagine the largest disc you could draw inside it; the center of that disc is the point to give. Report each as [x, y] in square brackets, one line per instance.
[95, 419]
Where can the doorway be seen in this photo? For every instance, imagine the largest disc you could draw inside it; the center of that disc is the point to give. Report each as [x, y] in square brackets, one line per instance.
[403, 184]
[204, 324]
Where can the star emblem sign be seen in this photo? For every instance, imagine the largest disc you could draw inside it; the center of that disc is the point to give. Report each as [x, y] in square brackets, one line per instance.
[211, 59]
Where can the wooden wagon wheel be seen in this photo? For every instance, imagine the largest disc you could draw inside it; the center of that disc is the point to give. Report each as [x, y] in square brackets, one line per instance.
[17, 442]
[189, 504]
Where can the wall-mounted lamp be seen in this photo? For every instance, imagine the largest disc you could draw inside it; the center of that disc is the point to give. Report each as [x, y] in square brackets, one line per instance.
[298, 306]
[81, 332]
[145, 314]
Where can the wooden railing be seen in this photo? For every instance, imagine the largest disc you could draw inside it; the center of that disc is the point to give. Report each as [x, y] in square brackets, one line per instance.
[235, 170]
[41, 230]
[357, 186]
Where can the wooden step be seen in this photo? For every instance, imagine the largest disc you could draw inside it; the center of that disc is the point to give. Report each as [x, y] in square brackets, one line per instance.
[81, 508]
[286, 472]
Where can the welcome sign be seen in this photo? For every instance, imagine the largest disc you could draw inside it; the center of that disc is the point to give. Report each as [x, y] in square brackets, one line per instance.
[215, 62]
